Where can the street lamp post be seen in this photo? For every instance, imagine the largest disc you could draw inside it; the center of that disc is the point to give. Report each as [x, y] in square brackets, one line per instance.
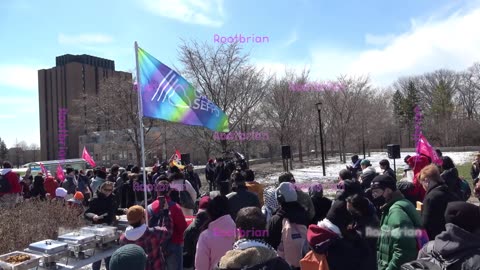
[319, 108]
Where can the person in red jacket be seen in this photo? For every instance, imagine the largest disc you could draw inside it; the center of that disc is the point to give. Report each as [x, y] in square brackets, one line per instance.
[10, 196]
[417, 163]
[50, 186]
[175, 245]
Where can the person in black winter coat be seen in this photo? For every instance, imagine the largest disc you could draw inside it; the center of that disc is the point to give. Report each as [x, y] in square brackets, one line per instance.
[321, 204]
[241, 197]
[458, 247]
[103, 210]
[450, 176]
[38, 190]
[222, 173]
[289, 208]
[193, 231]
[210, 175]
[436, 200]
[364, 220]
[122, 189]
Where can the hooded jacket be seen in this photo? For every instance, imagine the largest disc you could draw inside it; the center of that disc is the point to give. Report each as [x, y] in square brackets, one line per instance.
[96, 183]
[454, 244]
[434, 206]
[151, 240]
[252, 254]
[295, 214]
[214, 242]
[453, 182]
[12, 178]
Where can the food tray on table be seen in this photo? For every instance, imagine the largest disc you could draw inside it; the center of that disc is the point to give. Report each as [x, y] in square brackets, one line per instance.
[29, 261]
[48, 246]
[99, 230]
[77, 238]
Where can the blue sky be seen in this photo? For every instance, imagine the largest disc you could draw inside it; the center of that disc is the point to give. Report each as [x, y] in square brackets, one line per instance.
[382, 39]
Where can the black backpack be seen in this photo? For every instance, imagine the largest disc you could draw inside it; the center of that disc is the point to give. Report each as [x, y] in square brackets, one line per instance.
[4, 184]
[420, 265]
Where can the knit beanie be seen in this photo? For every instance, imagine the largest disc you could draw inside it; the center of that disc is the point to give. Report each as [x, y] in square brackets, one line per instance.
[287, 191]
[128, 257]
[464, 215]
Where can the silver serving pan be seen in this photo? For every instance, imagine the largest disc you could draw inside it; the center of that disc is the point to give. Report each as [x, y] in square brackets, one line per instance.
[99, 230]
[76, 238]
[32, 263]
[48, 246]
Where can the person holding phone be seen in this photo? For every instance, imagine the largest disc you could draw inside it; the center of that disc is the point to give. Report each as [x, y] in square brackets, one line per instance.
[102, 210]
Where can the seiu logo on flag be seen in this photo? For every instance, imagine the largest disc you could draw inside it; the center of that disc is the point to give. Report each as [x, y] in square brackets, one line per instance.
[169, 86]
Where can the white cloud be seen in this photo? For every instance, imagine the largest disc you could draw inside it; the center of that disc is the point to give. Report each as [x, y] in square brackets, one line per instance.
[378, 39]
[199, 12]
[84, 39]
[452, 43]
[430, 44]
[7, 116]
[19, 76]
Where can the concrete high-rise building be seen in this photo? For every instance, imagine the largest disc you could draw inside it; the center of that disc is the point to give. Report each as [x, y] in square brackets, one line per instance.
[58, 88]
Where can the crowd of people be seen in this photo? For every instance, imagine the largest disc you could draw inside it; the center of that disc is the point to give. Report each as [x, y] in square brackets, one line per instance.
[373, 222]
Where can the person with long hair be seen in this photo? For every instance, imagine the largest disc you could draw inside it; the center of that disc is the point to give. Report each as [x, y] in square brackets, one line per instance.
[218, 237]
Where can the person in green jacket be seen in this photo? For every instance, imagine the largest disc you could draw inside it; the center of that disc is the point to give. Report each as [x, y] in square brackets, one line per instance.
[398, 226]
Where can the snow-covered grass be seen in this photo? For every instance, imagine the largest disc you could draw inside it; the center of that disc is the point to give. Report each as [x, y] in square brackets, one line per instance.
[313, 174]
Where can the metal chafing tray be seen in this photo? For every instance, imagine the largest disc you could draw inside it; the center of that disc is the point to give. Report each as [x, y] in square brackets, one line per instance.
[29, 264]
[122, 223]
[48, 246]
[77, 238]
[99, 230]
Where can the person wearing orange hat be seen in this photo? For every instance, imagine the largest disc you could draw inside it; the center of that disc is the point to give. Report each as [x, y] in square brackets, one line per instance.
[76, 202]
[152, 240]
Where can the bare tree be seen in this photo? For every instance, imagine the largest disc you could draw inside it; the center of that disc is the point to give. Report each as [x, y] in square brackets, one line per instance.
[225, 77]
[115, 109]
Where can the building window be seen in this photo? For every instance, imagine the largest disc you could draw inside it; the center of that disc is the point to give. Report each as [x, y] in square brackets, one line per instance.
[130, 156]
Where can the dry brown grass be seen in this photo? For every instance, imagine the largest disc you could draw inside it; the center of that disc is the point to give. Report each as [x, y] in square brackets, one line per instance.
[31, 221]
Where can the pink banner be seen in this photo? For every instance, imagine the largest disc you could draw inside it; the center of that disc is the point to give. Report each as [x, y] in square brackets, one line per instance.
[426, 149]
[87, 157]
[44, 170]
[60, 174]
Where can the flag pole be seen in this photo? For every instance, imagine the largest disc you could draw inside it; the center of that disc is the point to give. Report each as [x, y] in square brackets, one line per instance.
[140, 120]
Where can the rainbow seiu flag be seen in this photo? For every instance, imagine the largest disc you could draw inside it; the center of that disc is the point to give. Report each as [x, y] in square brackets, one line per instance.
[167, 95]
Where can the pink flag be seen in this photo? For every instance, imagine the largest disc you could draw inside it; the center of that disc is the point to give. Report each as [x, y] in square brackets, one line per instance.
[425, 148]
[179, 156]
[60, 174]
[87, 157]
[44, 170]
